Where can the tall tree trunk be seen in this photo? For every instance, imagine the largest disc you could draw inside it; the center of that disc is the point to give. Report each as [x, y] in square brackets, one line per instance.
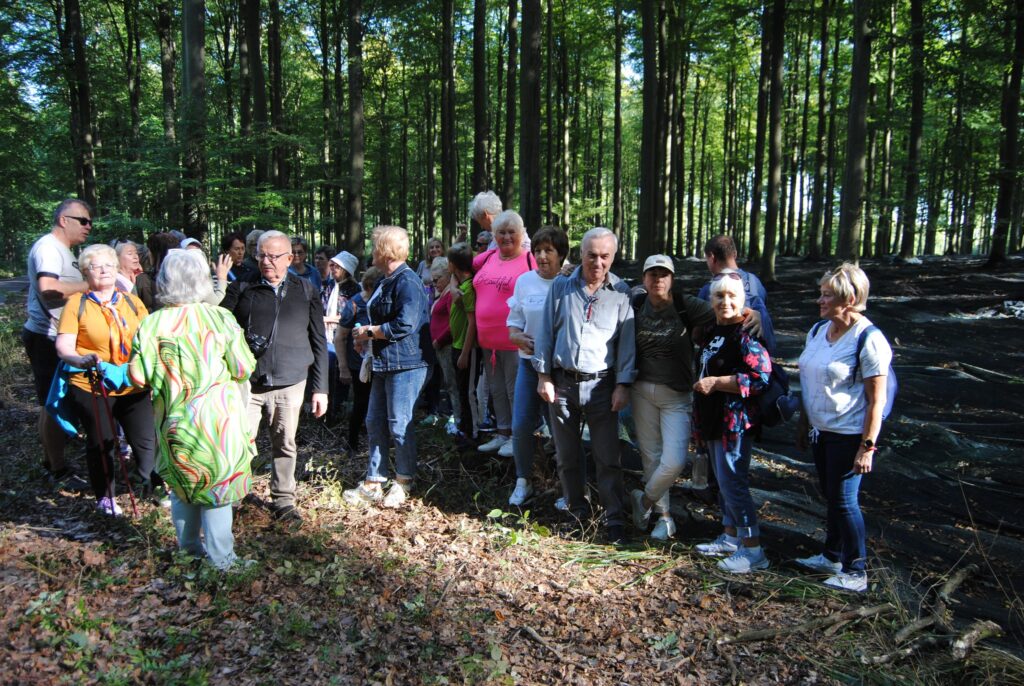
[833, 135]
[403, 201]
[168, 59]
[549, 111]
[357, 141]
[258, 89]
[693, 245]
[338, 118]
[324, 34]
[279, 155]
[763, 84]
[913, 172]
[1008, 152]
[449, 173]
[529, 127]
[480, 102]
[777, 50]
[617, 143]
[194, 116]
[79, 83]
[651, 152]
[564, 124]
[820, 151]
[884, 237]
[430, 205]
[851, 208]
[245, 89]
[804, 117]
[508, 176]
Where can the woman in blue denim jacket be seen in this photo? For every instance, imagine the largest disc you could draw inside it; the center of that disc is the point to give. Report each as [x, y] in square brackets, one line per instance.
[397, 310]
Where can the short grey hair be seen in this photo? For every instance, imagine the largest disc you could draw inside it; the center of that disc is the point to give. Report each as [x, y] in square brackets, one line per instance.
[252, 240]
[68, 203]
[722, 282]
[123, 245]
[509, 218]
[270, 235]
[94, 251]
[486, 202]
[184, 278]
[438, 268]
[599, 232]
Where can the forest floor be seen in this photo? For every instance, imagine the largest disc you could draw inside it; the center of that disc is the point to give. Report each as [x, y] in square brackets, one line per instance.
[455, 589]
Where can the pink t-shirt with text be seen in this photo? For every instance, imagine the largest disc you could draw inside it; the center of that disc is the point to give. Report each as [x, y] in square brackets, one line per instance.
[494, 281]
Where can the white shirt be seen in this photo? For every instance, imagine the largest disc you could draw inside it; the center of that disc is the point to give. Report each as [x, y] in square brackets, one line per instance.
[526, 306]
[48, 257]
[831, 401]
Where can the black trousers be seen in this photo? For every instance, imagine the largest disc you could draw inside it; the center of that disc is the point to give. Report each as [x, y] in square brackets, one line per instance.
[360, 404]
[134, 412]
[464, 379]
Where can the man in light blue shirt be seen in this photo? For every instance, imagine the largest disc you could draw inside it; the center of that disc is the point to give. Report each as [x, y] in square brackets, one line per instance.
[584, 354]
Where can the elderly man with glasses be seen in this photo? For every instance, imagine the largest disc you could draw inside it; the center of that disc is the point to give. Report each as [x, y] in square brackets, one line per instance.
[53, 276]
[283, 322]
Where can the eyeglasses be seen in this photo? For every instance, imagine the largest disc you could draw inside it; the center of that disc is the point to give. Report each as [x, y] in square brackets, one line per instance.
[118, 241]
[84, 221]
[102, 267]
[261, 256]
[484, 244]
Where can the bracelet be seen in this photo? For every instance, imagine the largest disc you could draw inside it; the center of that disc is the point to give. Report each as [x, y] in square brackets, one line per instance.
[871, 449]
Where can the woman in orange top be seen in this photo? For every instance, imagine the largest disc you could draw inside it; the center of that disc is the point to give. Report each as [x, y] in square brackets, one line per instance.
[98, 326]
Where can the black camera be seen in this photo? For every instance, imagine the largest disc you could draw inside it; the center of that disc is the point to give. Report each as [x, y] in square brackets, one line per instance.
[257, 344]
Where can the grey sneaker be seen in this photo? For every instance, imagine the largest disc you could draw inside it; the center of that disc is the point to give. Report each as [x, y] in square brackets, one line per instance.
[523, 491]
[723, 545]
[820, 563]
[362, 496]
[396, 496]
[856, 582]
[664, 529]
[641, 516]
[744, 560]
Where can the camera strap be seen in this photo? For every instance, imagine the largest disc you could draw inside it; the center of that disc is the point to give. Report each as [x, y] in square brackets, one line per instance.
[278, 299]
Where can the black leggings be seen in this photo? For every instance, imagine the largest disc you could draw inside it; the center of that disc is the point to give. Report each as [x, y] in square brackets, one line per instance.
[360, 404]
[134, 412]
[464, 379]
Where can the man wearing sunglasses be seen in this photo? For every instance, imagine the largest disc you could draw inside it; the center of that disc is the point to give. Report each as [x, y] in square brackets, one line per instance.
[720, 254]
[53, 275]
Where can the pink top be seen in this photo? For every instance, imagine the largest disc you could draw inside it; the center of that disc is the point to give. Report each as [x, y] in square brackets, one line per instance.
[440, 329]
[494, 281]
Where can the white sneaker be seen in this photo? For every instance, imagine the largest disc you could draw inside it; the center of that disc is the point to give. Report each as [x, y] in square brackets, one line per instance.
[820, 563]
[723, 545]
[641, 516]
[108, 505]
[562, 504]
[506, 450]
[494, 444]
[857, 582]
[664, 529]
[396, 495]
[521, 493]
[744, 560]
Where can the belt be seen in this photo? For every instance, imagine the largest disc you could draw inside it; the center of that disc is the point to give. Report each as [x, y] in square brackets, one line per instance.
[584, 376]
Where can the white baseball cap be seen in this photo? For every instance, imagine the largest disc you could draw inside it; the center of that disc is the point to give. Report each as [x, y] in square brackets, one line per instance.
[663, 261]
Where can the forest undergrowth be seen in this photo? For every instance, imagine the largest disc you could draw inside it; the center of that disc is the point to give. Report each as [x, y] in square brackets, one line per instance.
[452, 589]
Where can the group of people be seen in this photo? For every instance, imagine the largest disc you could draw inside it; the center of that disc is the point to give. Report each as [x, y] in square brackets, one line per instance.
[190, 375]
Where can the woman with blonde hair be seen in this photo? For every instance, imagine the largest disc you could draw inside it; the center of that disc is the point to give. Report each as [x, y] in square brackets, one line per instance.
[397, 309]
[843, 379]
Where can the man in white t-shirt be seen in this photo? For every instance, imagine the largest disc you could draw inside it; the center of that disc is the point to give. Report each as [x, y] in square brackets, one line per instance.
[53, 275]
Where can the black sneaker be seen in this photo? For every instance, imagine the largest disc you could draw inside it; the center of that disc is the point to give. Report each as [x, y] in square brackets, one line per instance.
[69, 481]
[289, 514]
[616, 534]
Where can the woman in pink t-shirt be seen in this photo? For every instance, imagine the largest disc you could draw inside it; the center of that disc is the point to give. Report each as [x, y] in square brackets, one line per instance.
[495, 276]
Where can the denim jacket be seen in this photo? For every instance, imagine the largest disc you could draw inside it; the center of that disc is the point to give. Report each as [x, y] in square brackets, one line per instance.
[399, 306]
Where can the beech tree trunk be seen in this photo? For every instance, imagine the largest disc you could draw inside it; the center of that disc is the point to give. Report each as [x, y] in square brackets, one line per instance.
[529, 126]
[168, 59]
[1008, 153]
[357, 141]
[851, 209]
[449, 173]
[508, 172]
[480, 102]
[777, 50]
[913, 172]
[194, 116]
[78, 78]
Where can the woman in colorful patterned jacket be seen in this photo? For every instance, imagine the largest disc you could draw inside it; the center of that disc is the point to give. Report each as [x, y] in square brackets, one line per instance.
[194, 358]
[733, 368]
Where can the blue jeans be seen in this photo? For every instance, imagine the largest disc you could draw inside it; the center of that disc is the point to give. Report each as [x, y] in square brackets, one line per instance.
[389, 421]
[732, 469]
[215, 523]
[525, 418]
[844, 525]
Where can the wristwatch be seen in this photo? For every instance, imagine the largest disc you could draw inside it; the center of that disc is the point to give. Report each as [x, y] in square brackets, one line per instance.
[869, 444]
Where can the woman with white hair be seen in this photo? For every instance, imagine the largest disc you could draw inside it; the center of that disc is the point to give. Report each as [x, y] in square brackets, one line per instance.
[496, 272]
[97, 327]
[843, 378]
[194, 358]
[484, 208]
[733, 368]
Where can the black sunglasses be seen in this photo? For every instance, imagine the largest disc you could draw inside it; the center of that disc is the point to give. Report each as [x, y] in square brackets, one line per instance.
[84, 221]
